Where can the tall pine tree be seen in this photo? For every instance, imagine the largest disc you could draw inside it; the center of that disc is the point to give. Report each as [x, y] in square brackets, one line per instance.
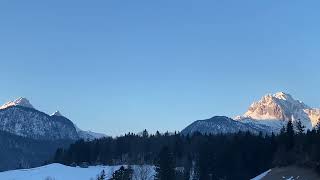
[165, 167]
[300, 127]
[289, 135]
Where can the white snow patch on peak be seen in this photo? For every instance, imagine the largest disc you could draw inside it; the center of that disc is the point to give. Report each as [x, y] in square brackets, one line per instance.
[283, 96]
[18, 102]
[275, 106]
[280, 107]
[57, 113]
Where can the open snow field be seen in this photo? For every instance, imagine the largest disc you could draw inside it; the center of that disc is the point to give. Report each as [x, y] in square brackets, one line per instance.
[62, 172]
[288, 173]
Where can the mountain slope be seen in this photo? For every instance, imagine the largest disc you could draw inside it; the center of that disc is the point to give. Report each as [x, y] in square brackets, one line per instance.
[21, 118]
[18, 102]
[34, 124]
[22, 152]
[267, 115]
[29, 137]
[277, 109]
[221, 124]
[89, 135]
[86, 135]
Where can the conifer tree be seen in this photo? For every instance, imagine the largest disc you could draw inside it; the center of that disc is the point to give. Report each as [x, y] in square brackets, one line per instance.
[282, 130]
[289, 136]
[145, 133]
[122, 174]
[300, 127]
[165, 168]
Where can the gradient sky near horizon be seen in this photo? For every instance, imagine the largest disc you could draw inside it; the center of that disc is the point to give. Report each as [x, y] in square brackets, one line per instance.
[118, 66]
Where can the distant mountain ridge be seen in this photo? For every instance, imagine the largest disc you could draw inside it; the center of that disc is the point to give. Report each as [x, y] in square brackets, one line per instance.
[267, 115]
[19, 117]
[221, 125]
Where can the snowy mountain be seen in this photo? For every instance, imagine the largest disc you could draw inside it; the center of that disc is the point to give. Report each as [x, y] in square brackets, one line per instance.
[277, 109]
[19, 117]
[34, 124]
[221, 124]
[267, 115]
[57, 113]
[18, 102]
[86, 135]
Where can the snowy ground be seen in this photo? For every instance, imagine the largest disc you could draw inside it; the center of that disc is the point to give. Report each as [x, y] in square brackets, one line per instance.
[261, 175]
[288, 173]
[62, 172]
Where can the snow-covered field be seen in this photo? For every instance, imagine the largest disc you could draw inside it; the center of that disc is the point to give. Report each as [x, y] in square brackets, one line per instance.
[288, 173]
[261, 175]
[62, 172]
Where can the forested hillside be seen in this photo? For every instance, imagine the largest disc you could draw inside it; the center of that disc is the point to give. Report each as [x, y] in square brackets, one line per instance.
[21, 152]
[228, 156]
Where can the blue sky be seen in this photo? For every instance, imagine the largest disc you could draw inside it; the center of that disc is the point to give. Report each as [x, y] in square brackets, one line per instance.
[120, 66]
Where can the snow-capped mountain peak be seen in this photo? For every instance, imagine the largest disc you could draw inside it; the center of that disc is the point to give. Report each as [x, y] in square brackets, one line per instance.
[21, 118]
[276, 109]
[18, 102]
[269, 114]
[57, 113]
[283, 96]
[275, 106]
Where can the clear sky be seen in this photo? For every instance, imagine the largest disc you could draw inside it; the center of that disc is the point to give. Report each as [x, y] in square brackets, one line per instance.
[116, 66]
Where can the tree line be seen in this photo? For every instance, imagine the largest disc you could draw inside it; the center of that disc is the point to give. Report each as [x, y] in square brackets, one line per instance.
[201, 156]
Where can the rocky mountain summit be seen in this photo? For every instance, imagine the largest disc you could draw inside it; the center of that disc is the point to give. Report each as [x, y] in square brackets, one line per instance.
[19, 117]
[267, 115]
[275, 110]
